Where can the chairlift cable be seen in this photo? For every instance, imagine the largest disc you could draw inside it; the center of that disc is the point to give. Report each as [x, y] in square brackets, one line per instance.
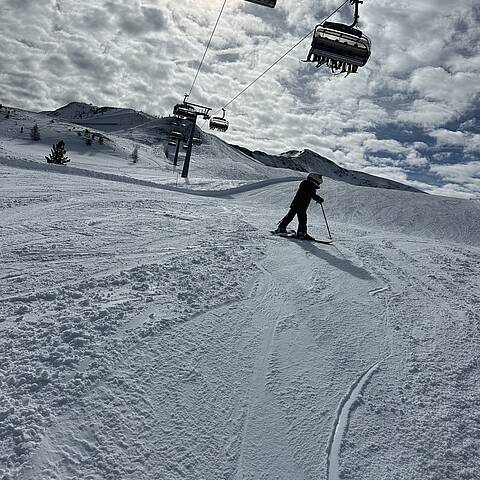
[208, 46]
[280, 59]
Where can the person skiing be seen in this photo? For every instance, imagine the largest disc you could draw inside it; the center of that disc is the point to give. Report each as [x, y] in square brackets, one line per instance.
[306, 192]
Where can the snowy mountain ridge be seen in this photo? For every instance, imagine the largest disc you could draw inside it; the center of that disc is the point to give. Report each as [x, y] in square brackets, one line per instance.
[301, 161]
[79, 110]
[309, 161]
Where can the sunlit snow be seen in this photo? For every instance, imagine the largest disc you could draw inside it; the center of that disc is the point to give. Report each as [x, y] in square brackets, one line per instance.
[153, 328]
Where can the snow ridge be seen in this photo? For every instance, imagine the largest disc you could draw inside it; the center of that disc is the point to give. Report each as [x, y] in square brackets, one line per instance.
[32, 165]
[308, 161]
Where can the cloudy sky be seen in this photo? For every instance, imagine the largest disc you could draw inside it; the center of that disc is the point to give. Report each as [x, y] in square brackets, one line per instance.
[412, 114]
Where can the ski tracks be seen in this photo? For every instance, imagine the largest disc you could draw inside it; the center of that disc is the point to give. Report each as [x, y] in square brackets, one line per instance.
[425, 401]
[202, 382]
[298, 379]
[263, 443]
[190, 387]
[71, 342]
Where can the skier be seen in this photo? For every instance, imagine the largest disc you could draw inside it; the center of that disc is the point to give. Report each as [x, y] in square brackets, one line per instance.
[306, 192]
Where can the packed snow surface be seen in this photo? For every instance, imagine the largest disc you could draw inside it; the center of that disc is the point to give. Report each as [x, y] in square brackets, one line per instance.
[154, 329]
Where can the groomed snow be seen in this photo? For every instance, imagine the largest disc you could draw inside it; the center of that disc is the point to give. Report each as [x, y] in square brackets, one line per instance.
[148, 332]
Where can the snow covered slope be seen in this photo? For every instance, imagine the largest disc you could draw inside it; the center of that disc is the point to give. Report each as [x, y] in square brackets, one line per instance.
[148, 331]
[426, 216]
[104, 118]
[141, 128]
[120, 130]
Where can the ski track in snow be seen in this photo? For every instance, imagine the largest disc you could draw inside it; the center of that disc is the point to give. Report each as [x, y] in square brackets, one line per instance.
[433, 325]
[81, 172]
[134, 350]
[341, 423]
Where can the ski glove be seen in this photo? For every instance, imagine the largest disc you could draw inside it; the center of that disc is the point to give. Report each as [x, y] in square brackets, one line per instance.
[320, 200]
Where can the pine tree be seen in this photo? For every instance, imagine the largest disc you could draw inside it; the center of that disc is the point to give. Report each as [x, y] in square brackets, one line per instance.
[35, 133]
[135, 154]
[58, 155]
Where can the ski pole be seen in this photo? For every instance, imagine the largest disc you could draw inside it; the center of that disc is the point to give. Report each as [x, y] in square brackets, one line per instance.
[326, 223]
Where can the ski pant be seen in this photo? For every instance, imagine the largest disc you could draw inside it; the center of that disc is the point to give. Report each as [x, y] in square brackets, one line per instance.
[302, 219]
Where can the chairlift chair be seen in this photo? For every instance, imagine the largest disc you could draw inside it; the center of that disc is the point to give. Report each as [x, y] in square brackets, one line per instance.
[191, 110]
[264, 3]
[183, 110]
[219, 123]
[176, 134]
[340, 47]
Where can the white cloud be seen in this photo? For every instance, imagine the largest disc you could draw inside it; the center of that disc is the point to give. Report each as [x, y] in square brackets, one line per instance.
[459, 173]
[470, 142]
[441, 96]
[414, 159]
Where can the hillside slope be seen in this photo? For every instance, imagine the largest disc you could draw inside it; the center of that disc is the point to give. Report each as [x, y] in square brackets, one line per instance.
[158, 334]
[148, 130]
[107, 119]
[213, 163]
[151, 329]
[308, 161]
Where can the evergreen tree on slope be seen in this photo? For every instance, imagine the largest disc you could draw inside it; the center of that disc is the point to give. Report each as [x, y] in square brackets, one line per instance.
[58, 155]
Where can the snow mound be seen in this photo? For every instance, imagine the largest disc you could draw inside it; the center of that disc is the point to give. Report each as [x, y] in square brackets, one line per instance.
[424, 217]
[104, 118]
[80, 172]
[102, 140]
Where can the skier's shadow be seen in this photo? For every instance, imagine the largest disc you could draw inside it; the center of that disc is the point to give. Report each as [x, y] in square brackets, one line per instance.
[340, 263]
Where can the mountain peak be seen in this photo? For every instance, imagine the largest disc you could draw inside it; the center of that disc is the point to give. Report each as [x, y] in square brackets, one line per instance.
[309, 161]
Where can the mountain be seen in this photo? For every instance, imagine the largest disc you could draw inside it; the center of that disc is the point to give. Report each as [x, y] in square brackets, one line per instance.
[105, 118]
[144, 128]
[309, 161]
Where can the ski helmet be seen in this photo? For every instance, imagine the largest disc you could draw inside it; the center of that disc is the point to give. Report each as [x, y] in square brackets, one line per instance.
[316, 178]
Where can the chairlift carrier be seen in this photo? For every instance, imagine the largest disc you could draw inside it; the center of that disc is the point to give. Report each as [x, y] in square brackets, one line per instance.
[219, 123]
[183, 110]
[341, 47]
[191, 110]
[174, 134]
[264, 3]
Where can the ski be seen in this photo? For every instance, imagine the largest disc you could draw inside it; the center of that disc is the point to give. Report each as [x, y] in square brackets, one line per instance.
[293, 235]
[325, 242]
[314, 240]
[288, 233]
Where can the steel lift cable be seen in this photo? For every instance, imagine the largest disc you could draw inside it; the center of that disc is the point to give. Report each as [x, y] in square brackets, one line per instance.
[208, 46]
[279, 59]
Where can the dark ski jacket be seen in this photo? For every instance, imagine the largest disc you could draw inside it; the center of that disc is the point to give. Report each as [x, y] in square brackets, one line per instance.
[306, 192]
